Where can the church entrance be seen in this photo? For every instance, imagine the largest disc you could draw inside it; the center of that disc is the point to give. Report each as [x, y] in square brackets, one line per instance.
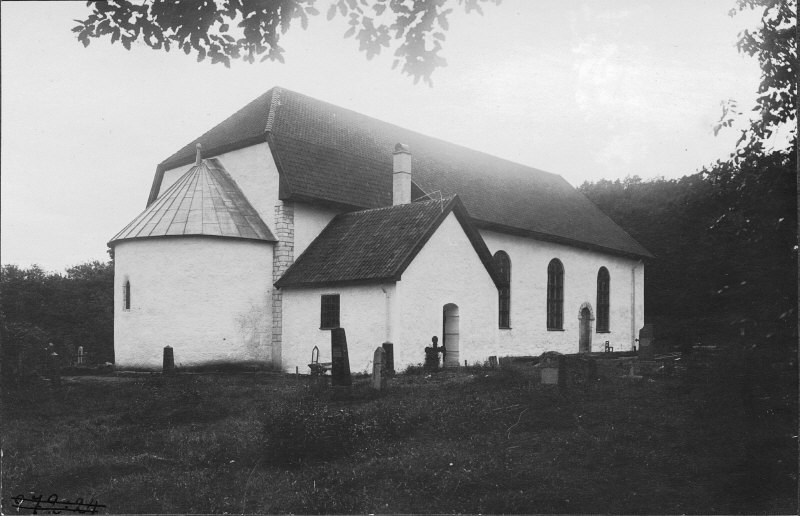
[585, 337]
[450, 334]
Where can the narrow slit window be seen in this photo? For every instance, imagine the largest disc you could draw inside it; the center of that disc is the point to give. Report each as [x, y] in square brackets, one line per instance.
[603, 300]
[503, 265]
[329, 312]
[555, 295]
[126, 295]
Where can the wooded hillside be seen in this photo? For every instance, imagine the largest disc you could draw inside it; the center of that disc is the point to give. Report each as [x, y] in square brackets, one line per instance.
[725, 241]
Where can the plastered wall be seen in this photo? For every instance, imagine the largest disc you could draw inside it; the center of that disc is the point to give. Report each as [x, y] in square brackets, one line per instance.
[362, 314]
[208, 298]
[529, 260]
[446, 270]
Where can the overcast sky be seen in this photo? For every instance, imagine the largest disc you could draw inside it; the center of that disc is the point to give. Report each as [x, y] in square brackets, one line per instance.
[585, 89]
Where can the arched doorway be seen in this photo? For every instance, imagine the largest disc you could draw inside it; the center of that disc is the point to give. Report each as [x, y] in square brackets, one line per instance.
[450, 334]
[585, 318]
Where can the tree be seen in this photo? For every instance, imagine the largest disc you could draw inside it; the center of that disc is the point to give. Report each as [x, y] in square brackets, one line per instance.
[73, 310]
[233, 29]
[725, 243]
[774, 44]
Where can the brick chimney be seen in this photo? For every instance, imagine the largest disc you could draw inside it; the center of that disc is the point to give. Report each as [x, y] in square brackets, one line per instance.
[401, 177]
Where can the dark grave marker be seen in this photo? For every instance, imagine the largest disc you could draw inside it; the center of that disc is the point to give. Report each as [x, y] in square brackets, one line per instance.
[169, 360]
[340, 360]
[388, 349]
[646, 341]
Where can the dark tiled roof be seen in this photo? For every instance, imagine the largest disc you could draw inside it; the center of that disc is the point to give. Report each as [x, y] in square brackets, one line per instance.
[204, 201]
[378, 244]
[331, 154]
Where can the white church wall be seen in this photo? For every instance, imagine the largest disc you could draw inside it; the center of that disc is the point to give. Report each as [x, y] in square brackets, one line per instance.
[362, 313]
[447, 270]
[529, 260]
[253, 169]
[208, 298]
[309, 221]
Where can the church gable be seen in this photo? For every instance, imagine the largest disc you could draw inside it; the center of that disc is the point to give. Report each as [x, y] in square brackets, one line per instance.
[378, 245]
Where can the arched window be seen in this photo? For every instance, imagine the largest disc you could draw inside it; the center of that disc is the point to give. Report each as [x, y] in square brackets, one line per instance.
[555, 295]
[126, 295]
[603, 300]
[503, 264]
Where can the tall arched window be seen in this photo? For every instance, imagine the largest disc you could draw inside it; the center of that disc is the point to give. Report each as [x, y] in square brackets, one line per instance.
[603, 300]
[503, 264]
[555, 295]
[126, 295]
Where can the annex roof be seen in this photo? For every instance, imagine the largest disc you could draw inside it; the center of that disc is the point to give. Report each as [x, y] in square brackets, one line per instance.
[325, 153]
[204, 201]
[378, 244]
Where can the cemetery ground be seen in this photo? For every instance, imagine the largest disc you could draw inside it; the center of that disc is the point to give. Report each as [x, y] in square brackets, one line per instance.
[718, 436]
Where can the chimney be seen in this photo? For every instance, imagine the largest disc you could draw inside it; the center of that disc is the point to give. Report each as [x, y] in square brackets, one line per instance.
[198, 156]
[401, 177]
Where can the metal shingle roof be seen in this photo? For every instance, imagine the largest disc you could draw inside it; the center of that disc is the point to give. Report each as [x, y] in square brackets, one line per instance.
[205, 201]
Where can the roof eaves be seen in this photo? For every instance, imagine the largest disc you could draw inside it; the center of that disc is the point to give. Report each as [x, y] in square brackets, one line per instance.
[475, 238]
[284, 188]
[547, 237]
[337, 283]
[112, 243]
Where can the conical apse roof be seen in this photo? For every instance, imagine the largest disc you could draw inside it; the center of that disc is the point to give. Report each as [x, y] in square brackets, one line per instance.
[205, 201]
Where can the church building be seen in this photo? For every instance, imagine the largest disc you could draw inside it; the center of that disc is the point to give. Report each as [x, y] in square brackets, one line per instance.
[294, 216]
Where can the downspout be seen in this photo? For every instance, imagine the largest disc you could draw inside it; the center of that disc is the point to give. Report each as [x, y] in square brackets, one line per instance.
[633, 306]
[388, 322]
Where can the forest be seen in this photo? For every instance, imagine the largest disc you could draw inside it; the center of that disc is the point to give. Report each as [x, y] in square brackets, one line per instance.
[724, 241]
[725, 247]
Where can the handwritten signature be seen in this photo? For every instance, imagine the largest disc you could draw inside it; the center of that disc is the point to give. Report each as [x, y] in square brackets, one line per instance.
[51, 504]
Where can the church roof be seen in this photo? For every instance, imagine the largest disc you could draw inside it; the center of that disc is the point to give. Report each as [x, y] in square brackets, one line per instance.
[378, 244]
[325, 153]
[205, 201]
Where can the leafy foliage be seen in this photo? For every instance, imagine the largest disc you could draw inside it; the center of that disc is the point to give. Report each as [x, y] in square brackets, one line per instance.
[72, 309]
[774, 44]
[725, 243]
[232, 29]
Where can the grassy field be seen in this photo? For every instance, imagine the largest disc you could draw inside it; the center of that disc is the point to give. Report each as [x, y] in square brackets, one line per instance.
[714, 439]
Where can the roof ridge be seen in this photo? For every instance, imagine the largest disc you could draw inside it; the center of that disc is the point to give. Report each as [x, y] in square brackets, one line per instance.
[445, 200]
[417, 133]
[273, 107]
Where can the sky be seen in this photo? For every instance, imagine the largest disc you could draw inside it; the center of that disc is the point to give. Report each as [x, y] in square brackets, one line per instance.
[593, 89]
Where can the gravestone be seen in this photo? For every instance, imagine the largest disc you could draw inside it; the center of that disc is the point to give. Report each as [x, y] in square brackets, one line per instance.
[378, 374]
[169, 360]
[340, 360]
[493, 362]
[54, 368]
[646, 342]
[553, 370]
[388, 349]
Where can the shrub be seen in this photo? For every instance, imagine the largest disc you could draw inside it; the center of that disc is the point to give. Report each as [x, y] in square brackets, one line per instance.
[415, 369]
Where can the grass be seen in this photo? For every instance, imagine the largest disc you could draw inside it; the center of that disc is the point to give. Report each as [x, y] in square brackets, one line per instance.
[717, 439]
